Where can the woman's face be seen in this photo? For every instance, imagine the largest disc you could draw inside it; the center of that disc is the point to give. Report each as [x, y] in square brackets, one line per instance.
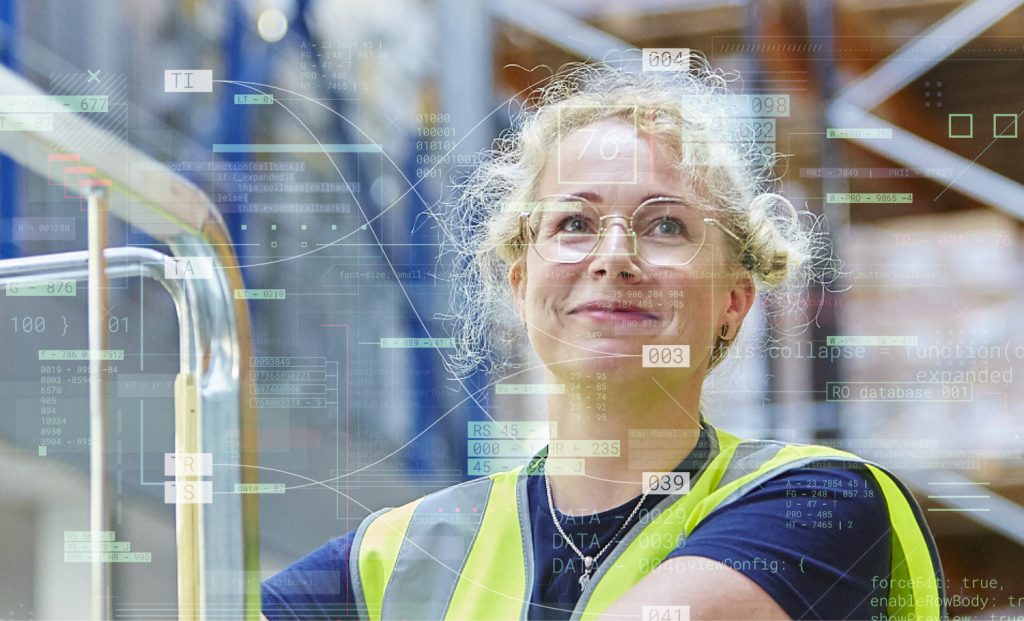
[586, 316]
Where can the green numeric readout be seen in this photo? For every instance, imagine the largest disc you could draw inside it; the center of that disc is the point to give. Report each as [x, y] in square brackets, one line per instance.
[53, 103]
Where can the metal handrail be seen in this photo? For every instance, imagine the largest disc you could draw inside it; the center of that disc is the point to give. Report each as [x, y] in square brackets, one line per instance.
[211, 412]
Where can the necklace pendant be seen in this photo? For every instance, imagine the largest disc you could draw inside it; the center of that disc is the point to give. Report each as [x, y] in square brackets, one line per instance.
[588, 563]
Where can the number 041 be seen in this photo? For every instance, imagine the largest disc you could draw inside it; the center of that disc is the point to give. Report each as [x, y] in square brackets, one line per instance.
[665, 613]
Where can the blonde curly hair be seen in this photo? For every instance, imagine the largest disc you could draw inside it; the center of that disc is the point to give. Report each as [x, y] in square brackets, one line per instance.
[723, 166]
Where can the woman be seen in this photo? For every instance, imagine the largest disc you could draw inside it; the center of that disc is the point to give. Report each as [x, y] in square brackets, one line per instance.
[629, 231]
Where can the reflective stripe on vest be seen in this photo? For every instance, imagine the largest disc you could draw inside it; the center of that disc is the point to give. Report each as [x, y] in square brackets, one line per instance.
[435, 543]
[425, 561]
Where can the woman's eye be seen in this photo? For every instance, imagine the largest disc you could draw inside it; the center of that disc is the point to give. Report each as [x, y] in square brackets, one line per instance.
[574, 225]
[669, 227]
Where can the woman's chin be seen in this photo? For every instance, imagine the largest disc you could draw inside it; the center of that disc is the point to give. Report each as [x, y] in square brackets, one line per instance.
[609, 353]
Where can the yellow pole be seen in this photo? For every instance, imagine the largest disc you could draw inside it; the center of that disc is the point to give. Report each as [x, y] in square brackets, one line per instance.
[188, 508]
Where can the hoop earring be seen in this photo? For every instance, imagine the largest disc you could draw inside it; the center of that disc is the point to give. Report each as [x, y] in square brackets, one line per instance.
[721, 346]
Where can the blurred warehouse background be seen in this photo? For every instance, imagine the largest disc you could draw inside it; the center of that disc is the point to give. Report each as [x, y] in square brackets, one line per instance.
[332, 128]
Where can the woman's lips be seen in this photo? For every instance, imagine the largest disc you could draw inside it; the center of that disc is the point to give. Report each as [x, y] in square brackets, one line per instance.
[613, 313]
[609, 315]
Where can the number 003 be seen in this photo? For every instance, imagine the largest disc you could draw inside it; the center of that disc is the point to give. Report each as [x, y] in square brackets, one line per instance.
[666, 356]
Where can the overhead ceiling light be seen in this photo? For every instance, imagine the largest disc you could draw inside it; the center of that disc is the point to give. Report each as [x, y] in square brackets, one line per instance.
[272, 25]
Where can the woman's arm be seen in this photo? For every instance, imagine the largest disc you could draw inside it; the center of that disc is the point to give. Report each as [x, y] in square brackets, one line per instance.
[315, 587]
[807, 544]
[709, 589]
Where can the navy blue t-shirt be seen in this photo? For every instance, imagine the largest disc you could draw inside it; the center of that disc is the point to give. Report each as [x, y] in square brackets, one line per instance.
[812, 538]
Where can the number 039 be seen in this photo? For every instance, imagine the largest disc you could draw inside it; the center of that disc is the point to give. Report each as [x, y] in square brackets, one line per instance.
[666, 482]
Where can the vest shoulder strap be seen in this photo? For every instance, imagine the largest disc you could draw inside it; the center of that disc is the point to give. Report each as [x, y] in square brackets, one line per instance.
[373, 554]
[740, 467]
[445, 548]
[443, 529]
[751, 464]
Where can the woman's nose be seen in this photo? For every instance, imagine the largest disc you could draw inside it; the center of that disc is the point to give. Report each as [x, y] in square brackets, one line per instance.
[616, 252]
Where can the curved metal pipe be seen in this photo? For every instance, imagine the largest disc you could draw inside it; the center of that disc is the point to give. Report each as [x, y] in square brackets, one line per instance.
[130, 262]
[171, 209]
[207, 385]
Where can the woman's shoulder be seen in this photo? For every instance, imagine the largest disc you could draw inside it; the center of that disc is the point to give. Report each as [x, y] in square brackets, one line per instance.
[830, 479]
[826, 496]
[812, 537]
[796, 463]
[317, 585]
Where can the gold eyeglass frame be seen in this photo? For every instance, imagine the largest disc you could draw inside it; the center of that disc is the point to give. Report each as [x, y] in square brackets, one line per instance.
[527, 233]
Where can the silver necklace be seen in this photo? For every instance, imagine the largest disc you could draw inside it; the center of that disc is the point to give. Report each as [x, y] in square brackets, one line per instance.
[589, 562]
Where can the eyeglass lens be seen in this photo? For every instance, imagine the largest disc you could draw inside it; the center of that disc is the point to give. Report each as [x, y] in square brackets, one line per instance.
[663, 232]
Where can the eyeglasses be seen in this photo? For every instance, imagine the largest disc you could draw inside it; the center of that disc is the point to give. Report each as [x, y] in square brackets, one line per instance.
[662, 230]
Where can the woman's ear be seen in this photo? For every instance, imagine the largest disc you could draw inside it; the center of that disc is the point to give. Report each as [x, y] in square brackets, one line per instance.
[517, 281]
[741, 299]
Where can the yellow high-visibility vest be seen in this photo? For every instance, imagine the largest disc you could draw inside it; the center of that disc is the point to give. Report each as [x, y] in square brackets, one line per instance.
[425, 560]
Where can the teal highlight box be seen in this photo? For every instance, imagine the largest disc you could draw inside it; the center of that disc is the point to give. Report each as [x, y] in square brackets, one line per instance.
[81, 103]
[869, 198]
[42, 451]
[584, 448]
[254, 100]
[1006, 125]
[81, 354]
[859, 132]
[399, 343]
[108, 557]
[480, 467]
[97, 546]
[959, 134]
[525, 430]
[507, 448]
[43, 288]
[53, 103]
[260, 294]
[871, 341]
[297, 148]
